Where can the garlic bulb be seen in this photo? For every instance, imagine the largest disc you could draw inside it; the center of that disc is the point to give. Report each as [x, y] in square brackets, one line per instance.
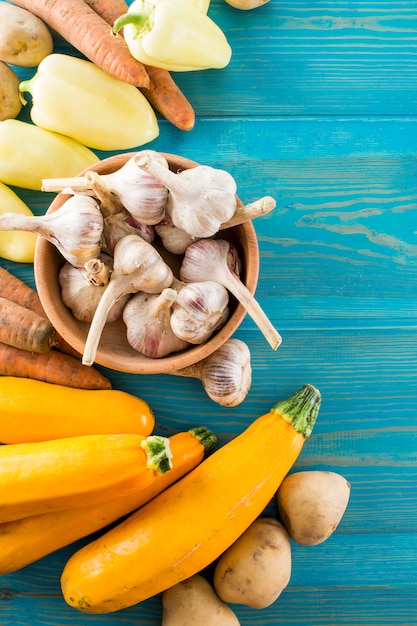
[142, 195]
[147, 319]
[176, 240]
[173, 239]
[122, 224]
[137, 266]
[226, 374]
[200, 309]
[210, 259]
[75, 229]
[200, 199]
[82, 288]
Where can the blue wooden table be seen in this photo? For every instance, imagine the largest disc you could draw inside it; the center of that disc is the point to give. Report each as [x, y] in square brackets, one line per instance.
[318, 109]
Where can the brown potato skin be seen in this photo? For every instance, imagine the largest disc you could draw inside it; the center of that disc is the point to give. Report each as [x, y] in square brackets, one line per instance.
[257, 567]
[193, 602]
[10, 103]
[311, 505]
[24, 39]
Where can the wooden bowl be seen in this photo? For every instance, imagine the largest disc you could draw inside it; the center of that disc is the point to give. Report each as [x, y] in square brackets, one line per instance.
[114, 351]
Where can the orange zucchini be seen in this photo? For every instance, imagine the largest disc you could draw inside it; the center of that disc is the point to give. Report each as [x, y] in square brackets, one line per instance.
[188, 526]
[64, 473]
[26, 540]
[33, 410]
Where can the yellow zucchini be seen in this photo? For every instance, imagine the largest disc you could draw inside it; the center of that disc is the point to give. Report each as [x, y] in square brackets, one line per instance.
[72, 472]
[26, 540]
[33, 410]
[188, 526]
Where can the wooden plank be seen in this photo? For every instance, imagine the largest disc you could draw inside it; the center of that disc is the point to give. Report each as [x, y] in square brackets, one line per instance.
[312, 58]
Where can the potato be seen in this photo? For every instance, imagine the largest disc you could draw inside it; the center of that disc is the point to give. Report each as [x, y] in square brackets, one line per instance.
[10, 103]
[311, 505]
[193, 602]
[257, 567]
[24, 39]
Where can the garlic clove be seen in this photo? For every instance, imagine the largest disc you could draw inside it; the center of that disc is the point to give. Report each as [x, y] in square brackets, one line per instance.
[200, 199]
[200, 309]
[216, 259]
[137, 267]
[226, 374]
[147, 319]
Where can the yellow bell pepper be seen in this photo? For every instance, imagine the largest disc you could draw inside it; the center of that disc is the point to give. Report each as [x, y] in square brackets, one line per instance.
[174, 35]
[15, 245]
[29, 153]
[76, 98]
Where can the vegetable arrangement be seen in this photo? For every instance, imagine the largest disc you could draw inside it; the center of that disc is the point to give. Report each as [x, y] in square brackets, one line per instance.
[162, 313]
[26, 540]
[119, 569]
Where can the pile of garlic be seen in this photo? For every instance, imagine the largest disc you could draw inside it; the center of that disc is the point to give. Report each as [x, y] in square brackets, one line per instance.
[112, 231]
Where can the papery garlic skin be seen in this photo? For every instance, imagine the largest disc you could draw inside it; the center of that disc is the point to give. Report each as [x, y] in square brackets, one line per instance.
[200, 199]
[200, 309]
[137, 267]
[75, 228]
[226, 374]
[143, 196]
[174, 239]
[147, 319]
[217, 259]
[83, 287]
[122, 224]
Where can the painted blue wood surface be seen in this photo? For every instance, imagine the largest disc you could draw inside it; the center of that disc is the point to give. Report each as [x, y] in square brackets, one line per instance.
[318, 109]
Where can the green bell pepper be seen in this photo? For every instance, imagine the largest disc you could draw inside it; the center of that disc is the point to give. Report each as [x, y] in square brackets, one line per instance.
[76, 98]
[174, 35]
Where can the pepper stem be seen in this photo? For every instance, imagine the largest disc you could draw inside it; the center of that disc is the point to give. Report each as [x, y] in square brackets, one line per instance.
[207, 439]
[301, 409]
[141, 20]
[159, 454]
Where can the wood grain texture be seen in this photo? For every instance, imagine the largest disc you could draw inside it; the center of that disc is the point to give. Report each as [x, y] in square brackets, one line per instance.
[318, 109]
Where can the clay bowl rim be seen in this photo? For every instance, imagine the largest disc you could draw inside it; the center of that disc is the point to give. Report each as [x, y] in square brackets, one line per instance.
[114, 352]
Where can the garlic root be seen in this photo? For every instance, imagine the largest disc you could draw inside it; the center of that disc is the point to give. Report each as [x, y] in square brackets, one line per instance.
[226, 374]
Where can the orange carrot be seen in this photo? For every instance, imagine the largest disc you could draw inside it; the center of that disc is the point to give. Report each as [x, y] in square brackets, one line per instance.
[162, 93]
[25, 329]
[52, 367]
[167, 98]
[14, 289]
[90, 34]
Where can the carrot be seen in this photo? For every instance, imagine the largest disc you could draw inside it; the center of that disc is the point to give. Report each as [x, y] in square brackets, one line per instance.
[14, 289]
[52, 367]
[162, 93]
[22, 328]
[90, 34]
[167, 98]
